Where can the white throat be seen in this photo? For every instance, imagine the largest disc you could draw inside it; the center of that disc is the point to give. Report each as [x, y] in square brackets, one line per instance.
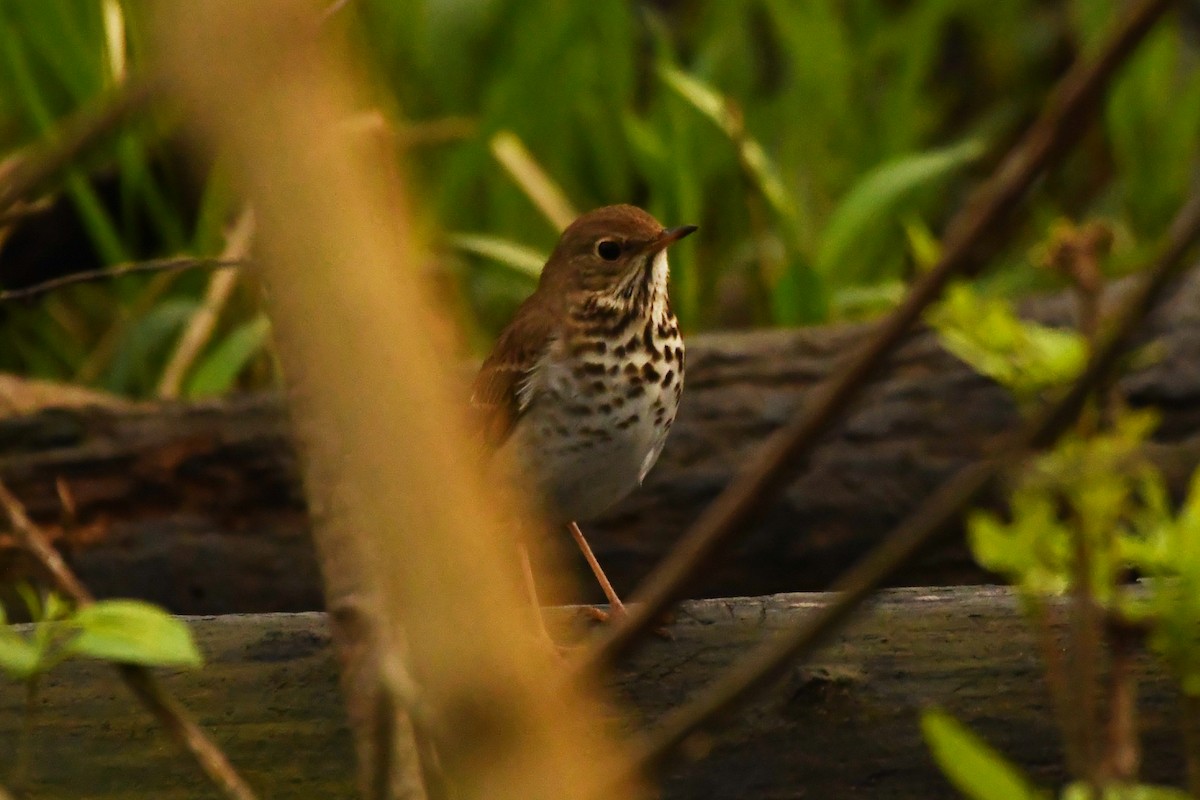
[659, 272]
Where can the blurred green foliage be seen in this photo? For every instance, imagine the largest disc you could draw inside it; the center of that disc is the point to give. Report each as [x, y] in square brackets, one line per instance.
[1082, 519]
[819, 145]
[121, 631]
[1095, 495]
[979, 772]
[1026, 358]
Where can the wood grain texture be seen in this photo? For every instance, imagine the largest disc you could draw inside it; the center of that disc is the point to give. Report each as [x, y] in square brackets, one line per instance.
[198, 505]
[843, 726]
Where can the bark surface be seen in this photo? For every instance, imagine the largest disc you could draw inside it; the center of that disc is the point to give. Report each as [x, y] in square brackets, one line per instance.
[842, 726]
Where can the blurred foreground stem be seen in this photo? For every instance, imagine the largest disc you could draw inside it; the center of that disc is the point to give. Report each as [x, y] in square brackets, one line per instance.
[417, 548]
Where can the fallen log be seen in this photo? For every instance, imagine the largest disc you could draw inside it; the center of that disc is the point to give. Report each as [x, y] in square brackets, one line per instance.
[842, 726]
[198, 506]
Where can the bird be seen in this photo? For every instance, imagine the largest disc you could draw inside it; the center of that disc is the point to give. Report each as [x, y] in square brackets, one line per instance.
[582, 386]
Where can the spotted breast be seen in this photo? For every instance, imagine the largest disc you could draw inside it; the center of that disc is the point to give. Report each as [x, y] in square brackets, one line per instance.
[583, 385]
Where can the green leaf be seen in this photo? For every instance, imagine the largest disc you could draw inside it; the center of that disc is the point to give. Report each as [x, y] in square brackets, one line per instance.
[518, 257]
[18, 656]
[1155, 793]
[798, 296]
[143, 344]
[32, 600]
[866, 302]
[57, 607]
[133, 632]
[216, 373]
[1033, 551]
[874, 202]
[711, 104]
[924, 246]
[1153, 122]
[986, 333]
[970, 764]
[1173, 558]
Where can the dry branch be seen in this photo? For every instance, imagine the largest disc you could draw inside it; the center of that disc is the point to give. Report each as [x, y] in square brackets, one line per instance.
[28, 170]
[175, 264]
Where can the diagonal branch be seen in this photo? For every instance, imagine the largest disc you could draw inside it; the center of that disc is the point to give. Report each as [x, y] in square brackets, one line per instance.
[1059, 125]
[936, 515]
[169, 712]
[178, 264]
[28, 170]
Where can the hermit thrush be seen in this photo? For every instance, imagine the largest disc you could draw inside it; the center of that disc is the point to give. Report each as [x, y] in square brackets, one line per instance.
[584, 382]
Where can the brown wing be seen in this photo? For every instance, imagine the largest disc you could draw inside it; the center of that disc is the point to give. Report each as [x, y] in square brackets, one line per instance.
[497, 394]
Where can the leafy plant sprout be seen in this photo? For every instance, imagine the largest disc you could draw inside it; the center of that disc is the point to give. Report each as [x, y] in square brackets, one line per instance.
[120, 631]
[1083, 520]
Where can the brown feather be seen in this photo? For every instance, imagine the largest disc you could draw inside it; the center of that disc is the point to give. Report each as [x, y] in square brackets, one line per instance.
[496, 394]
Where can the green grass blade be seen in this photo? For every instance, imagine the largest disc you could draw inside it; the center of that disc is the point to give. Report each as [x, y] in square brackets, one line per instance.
[99, 225]
[975, 769]
[524, 260]
[709, 102]
[218, 371]
[870, 209]
[534, 181]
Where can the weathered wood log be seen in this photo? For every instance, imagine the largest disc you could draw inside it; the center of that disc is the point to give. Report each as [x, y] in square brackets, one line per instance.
[843, 726]
[198, 505]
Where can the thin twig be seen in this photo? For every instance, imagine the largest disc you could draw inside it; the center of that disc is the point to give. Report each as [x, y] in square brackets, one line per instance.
[333, 9]
[445, 130]
[1122, 758]
[177, 264]
[20, 771]
[102, 353]
[174, 718]
[385, 709]
[38, 544]
[934, 517]
[384, 733]
[1060, 124]
[1190, 722]
[1084, 651]
[1057, 683]
[29, 170]
[22, 211]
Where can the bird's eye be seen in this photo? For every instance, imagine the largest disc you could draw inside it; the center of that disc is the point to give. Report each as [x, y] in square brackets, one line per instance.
[608, 249]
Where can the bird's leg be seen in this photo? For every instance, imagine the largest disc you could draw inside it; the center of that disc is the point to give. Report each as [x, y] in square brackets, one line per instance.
[616, 607]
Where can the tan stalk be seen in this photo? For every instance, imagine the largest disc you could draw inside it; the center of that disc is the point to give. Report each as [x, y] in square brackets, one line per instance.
[413, 540]
[528, 174]
[200, 327]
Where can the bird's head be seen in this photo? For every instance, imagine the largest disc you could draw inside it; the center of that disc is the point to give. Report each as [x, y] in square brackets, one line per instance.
[616, 251]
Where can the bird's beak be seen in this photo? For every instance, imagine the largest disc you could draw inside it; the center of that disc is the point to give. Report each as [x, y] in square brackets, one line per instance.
[669, 237]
